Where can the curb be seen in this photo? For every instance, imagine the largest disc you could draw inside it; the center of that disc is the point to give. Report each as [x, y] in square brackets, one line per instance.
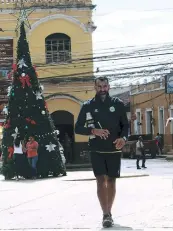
[78, 169]
[93, 179]
[135, 176]
[169, 158]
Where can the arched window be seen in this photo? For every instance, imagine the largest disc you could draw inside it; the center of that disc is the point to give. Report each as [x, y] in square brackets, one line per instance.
[58, 48]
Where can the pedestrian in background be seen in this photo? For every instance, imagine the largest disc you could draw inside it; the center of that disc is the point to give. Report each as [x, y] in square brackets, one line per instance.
[158, 140]
[107, 127]
[32, 155]
[19, 158]
[67, 148]
[61, 149]
[140, 153]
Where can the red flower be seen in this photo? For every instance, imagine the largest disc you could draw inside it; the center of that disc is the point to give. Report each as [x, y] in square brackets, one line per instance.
[33, 122]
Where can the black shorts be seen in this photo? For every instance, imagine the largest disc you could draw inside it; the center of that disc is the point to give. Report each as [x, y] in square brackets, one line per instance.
[108, 164]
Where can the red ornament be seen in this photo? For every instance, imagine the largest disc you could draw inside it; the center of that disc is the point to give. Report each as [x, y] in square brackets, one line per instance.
[7, 125]
[25, 80]
[33, 122]
[28, 119]
[45, 105]
[10, 75]
[10, 152]
[14, 67]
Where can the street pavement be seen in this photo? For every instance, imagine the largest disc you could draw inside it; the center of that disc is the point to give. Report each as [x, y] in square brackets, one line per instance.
[144, 201]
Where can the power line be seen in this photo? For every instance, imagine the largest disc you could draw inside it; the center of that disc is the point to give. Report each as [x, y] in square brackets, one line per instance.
[119, 70]
[106, 58]
[137, 104]
[87, 77]
[123, 68]
[115, 51]
[111, 70]
[118, 50]
[120, 75]
[154, 81]
[102, 59]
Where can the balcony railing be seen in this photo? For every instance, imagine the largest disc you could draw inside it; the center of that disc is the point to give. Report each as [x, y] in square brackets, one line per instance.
[11, 4]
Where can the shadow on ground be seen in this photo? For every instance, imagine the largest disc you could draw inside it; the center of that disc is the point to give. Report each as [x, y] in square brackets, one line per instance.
[122, 228]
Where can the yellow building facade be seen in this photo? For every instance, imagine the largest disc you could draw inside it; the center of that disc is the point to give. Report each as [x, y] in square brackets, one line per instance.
[60, 40]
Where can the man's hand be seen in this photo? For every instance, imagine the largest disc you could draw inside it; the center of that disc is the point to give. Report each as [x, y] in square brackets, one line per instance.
[119, 143]
[102, 133]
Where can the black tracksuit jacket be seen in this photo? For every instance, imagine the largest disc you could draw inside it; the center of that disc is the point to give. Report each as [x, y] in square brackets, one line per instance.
[110, 115]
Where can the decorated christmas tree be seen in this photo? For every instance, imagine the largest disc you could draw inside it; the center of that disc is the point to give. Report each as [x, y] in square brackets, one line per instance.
[27, 115]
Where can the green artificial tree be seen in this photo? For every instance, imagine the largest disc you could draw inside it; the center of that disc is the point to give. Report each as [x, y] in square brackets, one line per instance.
[27, 115]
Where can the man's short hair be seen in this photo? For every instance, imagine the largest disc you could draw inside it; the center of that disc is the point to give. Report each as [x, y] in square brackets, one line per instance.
[101, 79]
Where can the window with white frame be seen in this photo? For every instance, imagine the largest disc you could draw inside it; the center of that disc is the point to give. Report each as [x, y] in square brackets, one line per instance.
[149, 126]
[161, 120]
[58, 48]
[171, 115]
[135, 127]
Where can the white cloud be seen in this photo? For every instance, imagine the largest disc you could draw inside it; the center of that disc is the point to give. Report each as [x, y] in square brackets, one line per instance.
[159, 33]
[127, 27]
[133, 28]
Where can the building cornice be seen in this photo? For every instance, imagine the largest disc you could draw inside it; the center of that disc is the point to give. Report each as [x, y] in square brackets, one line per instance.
[147, 91]
[6, 37]
[57, 80]
[59, 16]
[48, 10]
[63, 96]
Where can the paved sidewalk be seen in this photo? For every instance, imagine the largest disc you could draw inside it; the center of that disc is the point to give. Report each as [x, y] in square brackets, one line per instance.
[143, 203]
[56, 204]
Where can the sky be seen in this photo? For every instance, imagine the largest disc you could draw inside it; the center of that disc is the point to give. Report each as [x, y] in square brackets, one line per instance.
[132, 22]
[145, 25]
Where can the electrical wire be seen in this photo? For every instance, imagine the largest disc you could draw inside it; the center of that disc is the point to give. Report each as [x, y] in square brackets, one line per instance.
[108, 59]
[43, 67]
[137, 104]
[138, 49]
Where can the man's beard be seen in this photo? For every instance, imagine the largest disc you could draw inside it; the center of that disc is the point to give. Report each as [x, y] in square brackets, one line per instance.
[103, 95]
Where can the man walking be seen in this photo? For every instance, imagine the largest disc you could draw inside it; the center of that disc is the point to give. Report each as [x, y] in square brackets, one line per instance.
[158, 139]
[104, 119]
[140, 153]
